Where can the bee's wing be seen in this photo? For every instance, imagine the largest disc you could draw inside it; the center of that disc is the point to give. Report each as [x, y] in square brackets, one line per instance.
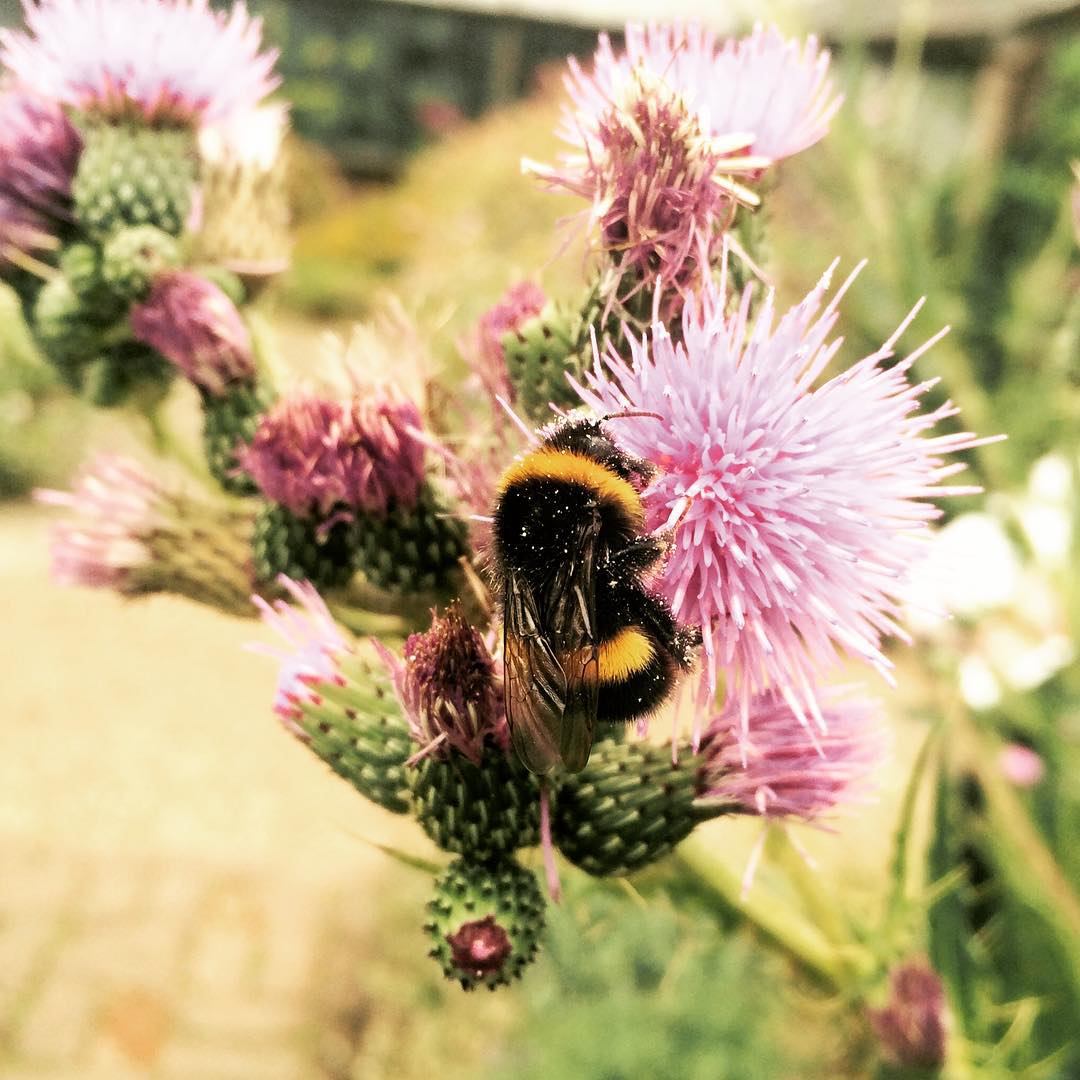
[571, 620]
[534, 681]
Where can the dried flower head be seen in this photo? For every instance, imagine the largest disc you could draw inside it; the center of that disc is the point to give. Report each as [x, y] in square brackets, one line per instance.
[450, 689]
[117, 504]
[317, 456]
[782, 769]
[194, 324]
[314, 644]
[162, 61]
[39, 152]
[911, 1027]
[800, 504]
[661, 133]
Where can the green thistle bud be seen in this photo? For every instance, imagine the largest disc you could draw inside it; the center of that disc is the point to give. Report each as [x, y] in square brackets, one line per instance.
[81, 266]
[229, 423]
[485, 922]
[133, 257]
[414, 549]
[482, 811]
[628, 807]
[126, 372]
[134, 175]
[67, 329]
[540, 353]
[302, 548]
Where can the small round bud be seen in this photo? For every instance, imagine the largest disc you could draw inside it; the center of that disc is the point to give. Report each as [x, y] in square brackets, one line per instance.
[133, 258]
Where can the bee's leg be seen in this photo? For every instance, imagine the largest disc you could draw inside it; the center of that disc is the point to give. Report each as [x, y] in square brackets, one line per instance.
[639, 555]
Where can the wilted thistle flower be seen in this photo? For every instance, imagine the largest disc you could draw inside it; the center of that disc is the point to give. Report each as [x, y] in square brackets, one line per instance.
[450, 690]
[137, 534]
[485, 351]
[911, 1027]
[800, 506]
[317, 456]
[782, 769]
[170, 62]
[39, 152]
[194, 324]
[314, 645]
[661, 132]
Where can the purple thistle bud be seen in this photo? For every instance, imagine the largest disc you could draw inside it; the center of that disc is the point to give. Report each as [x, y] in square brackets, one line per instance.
[163, 61]
[117, 504]
[480, 947]
[39, 153]
[194, 324]
[314, 644]
[449, 688]
[317, 456]
[485, 352]
[800, 503]
[784, 769]
[659, 133]
[912, 1026]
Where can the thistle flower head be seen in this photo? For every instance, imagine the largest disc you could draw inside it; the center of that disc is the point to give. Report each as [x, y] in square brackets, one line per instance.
[174, 62]
[194, 324]
[480, 947]
[316, 455]
[116, 504]
[450, 689]
[313, 646]
[39, 152]
[485, 352]
[911, 1026]
[784, 769]
[800, 504]
[660, 132]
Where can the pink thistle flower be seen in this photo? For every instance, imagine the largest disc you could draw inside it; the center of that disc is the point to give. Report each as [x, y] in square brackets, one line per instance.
[450, 689]
[164, 61]
[800, 506]
[783, 769]
[485, 352]
[117, 504]
[318, 456]
[1021, 765]
[660, 132]
[912, 1026]
[39, 153]
[191, 322]
[314, 646]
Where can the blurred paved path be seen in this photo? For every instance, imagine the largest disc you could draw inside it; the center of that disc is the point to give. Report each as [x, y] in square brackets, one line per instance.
[166, 851]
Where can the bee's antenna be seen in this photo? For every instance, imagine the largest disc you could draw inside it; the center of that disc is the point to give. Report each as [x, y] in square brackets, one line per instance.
[629, 414]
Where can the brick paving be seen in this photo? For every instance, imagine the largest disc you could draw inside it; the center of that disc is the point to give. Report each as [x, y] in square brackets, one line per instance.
[167, 854]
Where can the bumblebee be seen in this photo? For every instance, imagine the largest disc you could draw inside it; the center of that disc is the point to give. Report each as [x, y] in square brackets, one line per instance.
[583, 641]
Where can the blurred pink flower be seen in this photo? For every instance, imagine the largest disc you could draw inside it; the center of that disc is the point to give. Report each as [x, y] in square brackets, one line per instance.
[799, 503]
[1021, 765]
[116, 503]
[660, 132]
[164, 61]
[39, 153]
[317, 456]
[783, 768]
[911, 1028]
[194, 324]
[313, 645]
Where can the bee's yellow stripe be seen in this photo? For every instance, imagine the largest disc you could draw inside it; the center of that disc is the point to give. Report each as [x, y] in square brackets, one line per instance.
[622, 656]
[571, 468]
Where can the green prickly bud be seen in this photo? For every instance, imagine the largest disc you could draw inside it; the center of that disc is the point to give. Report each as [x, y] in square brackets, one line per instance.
[127, 370]
[628, 807]
[283, 543]
[540, 353]
[483, 811]
[67, 328]
[230, 421]
[133, 257]
[133, 175]
[485, 922]
[414, 550]
[355, 725]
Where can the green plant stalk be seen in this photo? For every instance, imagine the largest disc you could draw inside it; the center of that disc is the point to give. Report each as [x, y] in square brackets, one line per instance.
[819, 957]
